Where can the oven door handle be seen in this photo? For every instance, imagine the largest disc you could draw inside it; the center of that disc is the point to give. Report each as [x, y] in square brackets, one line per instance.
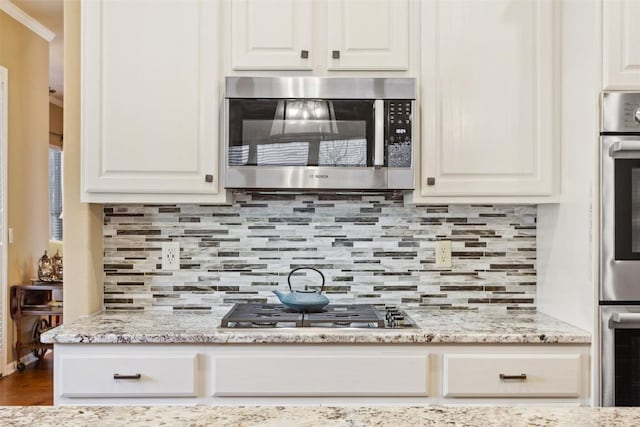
[623, 318]
[620, 146]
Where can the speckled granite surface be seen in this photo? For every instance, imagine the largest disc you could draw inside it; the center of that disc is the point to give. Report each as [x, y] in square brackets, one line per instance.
[445, 327]
[301, 416]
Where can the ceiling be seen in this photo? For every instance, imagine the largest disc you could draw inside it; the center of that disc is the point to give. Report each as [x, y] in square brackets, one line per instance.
[50, 13]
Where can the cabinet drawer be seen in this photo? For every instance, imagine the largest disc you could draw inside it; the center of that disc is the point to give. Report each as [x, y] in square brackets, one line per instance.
[512, 375]
[285, 375]
[115, 375]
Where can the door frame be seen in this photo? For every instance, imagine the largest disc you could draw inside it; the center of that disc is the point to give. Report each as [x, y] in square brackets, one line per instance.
[4, 143]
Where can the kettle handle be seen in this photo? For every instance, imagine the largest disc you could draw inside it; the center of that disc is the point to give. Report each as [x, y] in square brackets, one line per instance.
[305, 268]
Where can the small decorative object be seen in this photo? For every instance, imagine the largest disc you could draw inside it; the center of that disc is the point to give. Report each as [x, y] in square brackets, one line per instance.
[57, 266]
[45, 268]
[307, 300]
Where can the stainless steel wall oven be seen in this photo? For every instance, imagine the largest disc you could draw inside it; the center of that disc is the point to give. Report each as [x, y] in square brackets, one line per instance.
[319, 133]
[620, 249]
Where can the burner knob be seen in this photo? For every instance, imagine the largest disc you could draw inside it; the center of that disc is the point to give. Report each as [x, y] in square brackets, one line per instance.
[395, 320]
[399, 320]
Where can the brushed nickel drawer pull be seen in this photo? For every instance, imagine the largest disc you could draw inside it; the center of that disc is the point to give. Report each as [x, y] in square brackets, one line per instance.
[521, 377]
[127, 377]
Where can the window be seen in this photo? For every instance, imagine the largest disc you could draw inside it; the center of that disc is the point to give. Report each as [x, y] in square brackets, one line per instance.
[55, 192]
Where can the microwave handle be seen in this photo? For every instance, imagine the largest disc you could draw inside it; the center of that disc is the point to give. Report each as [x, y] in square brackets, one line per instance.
[625, 318]
[619, 146]
[378, 153]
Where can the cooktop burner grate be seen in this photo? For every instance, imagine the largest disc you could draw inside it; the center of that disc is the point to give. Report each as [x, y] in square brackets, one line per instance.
[256, 315]
[345, 315]
[261, 315]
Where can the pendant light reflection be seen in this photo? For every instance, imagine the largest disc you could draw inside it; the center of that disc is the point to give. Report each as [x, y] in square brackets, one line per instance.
[310, 116]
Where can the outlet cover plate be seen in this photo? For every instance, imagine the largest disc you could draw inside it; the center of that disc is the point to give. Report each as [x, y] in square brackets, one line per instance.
[443, 253]
[171, 256]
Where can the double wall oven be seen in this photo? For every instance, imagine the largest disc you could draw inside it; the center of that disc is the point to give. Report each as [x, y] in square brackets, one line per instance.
[620, 249]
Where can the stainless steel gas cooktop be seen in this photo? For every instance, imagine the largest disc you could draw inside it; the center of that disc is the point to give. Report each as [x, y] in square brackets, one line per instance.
[251, 315]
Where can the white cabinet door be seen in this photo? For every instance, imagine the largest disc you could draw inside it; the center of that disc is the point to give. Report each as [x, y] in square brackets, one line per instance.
[271, 34]
[621, 44]
[368, 34]
[512, 375]
[488, 98]
[295, 374]
[149, 98]
[129, 375]
[119, 374]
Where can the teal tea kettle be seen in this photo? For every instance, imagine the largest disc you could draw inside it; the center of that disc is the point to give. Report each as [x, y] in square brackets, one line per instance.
[304, 300]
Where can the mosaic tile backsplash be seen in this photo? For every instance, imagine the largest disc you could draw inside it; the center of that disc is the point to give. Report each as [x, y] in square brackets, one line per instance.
[372, 248]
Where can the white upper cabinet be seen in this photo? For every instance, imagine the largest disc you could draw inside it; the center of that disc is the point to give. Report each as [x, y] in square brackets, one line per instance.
[150, 100]
[368, 34]
[488, 99]
[319, 35]
[271, 34]
[621, 44]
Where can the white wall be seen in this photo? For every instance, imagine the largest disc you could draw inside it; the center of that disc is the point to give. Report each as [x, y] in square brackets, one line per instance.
[567, 239]
[567, 232]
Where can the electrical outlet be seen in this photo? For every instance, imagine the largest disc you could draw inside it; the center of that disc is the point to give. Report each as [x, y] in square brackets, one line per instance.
[443, 253]
[171, 256]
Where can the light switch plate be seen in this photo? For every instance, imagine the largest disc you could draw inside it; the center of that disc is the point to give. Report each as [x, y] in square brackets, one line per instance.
[10, 235]
[171, 256]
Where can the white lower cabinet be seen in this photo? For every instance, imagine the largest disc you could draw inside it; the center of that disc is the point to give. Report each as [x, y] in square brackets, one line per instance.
[128, 374]
[512, 375]
[116, 375]
[285, 374]
[280, 374]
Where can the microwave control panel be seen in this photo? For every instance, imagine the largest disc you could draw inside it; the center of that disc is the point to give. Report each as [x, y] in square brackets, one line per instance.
[397, 137]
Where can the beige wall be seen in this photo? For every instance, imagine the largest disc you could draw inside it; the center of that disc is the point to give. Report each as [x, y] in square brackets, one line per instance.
[82, 222]
[26, 56]
[55, 125]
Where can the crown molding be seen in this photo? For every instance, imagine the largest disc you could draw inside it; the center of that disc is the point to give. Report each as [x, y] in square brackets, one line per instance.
[25, 19]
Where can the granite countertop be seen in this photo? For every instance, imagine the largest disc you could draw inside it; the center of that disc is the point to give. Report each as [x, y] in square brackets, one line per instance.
[301, 416]
[442, 327]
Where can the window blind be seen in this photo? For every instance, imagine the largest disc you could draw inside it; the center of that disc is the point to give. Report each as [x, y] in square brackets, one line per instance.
[55, 193]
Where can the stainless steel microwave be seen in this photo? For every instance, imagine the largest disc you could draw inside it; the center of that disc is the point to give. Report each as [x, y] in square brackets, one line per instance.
[319, 133]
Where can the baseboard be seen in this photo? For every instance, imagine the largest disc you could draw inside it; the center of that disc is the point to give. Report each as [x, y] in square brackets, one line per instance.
[27, 359]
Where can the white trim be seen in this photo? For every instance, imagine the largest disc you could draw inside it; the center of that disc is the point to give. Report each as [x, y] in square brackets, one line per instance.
[4, 98]
[55, 101]
[27, 20]
[12, 367]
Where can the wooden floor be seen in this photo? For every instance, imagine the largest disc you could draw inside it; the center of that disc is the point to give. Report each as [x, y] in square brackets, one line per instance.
[34, 386]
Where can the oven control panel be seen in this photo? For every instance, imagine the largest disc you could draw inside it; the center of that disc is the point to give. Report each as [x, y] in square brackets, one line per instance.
[397, 136]
[620, 112]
